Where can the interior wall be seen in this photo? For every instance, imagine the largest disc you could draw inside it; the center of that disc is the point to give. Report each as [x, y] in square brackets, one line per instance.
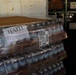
[13, 7]
[29, 8]
[3, 8]
[9, 8]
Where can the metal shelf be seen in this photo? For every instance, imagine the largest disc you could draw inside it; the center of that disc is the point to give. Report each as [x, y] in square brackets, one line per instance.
[71, 11]
[56, 12]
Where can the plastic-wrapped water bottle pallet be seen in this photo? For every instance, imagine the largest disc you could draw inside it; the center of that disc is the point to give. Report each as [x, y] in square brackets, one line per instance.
[36, 66]
[55, 38]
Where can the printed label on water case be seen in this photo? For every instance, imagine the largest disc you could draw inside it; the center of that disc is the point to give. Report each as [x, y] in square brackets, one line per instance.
[43, 38]
[15, 33]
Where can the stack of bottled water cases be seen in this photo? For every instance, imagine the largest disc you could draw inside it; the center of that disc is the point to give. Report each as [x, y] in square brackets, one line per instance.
[50, 70]
[30, 43]
[38, 33]
[29, 57]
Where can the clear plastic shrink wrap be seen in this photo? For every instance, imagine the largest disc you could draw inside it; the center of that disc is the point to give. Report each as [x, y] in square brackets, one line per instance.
[25, 36]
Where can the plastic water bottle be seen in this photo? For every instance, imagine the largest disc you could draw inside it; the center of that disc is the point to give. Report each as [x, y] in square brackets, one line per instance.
[2, 68]
[29, 59]
[8, 66]
[22, 61]
[15, 64]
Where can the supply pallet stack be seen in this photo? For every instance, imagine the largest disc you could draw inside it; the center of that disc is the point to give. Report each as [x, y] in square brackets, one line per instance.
[30, 46]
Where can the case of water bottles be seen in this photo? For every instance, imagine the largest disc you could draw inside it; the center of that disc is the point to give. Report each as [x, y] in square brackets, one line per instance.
[49, 70]
[27, 58]
[26, 44]
[29, 36]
